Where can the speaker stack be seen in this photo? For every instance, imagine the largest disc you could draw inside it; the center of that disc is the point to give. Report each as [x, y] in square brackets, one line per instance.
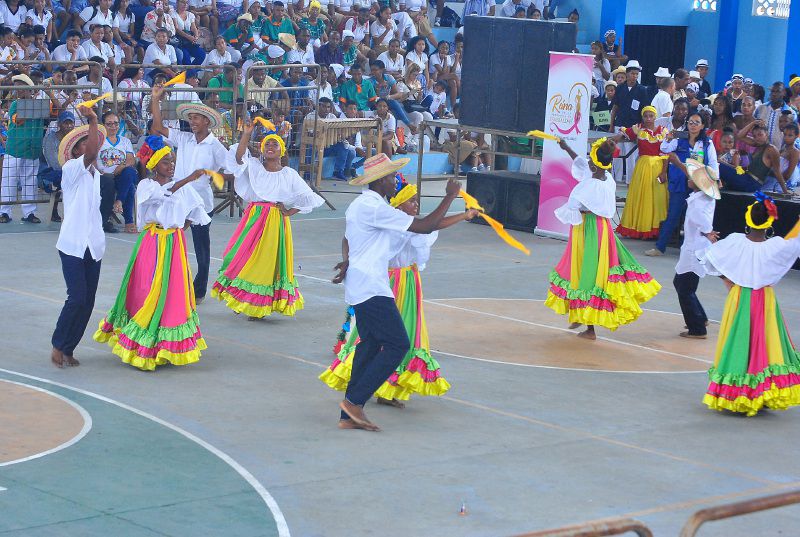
[508, 197]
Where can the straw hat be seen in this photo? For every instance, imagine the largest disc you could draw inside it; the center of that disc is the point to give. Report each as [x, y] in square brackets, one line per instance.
[246, 17]
[214, 117]
[703, 177]
[72, 138]
[25, 79]
[378, 167]
[287, 39]
[618, 70]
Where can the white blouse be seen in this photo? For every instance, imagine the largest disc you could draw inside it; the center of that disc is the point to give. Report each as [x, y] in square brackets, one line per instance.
[181, 24]
[254, 183]
[699, 219]
[36, 20]
[155, 204]
[123, 22]
[417, 250]
[590, 194]
[419, 59]
[751, 264]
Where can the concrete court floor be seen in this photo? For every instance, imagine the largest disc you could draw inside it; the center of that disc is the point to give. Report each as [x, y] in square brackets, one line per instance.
[613, 428]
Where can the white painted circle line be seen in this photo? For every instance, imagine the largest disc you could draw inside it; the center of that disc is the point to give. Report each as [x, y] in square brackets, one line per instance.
[87, 424]
[277, 514]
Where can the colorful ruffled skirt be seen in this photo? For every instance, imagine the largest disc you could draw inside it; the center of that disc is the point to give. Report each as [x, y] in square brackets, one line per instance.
[419, 372]
[646, 204]
[756, 364]
[154, 319]
[257, 274]
[598, 282]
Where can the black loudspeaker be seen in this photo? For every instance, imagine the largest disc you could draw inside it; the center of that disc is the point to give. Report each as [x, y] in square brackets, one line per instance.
[505, 70]
[509, 197]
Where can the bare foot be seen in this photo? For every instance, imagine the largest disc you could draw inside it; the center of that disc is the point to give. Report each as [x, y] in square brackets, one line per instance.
[573, 326]
[588, 334]
[72, 361]
[57, 357]
[390, 402]
[356, 414]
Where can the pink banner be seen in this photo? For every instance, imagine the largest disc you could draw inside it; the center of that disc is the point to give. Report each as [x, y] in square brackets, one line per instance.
[567, 116]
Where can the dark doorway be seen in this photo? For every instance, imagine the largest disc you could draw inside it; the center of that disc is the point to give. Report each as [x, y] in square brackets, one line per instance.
[654, 47]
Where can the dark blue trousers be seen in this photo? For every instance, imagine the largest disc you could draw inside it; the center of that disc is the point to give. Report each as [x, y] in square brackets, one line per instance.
[675, 210]
[384, 343]
[81, 276]
[201, 237]
[693, 312]
[125, 184]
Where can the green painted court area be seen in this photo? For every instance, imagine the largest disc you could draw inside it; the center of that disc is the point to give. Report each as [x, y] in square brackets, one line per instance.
[129, 476]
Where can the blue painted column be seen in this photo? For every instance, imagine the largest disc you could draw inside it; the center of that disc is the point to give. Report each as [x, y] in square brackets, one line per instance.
[792, 63]
[726, 43]
[612, 16]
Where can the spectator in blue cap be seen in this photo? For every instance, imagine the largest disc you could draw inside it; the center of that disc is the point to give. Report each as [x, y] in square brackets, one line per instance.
[50, 172]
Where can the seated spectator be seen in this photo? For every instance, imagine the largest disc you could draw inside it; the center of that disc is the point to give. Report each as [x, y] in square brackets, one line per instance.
[359, 90]
[259, 20]
[228, 10]
[482, 8]
[330, 52]
[534, 13]
[239, 38]
[393, 60]
[62, 19]
[187, 34]
[412, 94]
[418, 12]
[389, 129]
[765, 161]
[383, 29]
[70, 99]
[771, 112]
[345, 10]
[133, 77]
[359, 25]
[75, 9]
[386, 88]
[418, 53]
[94, 78]
[438, 101]
[227, 79]
[299, 99]
[120, 56]
[95, 46]
[342, 152]
[260, 81]
[41, 16]
[116, 161]
[158, 19]
[21, 42]
[13, 14]
[51, 170]
[277, 23]
[509, 7]
[38, 50]
[350, 53]
[336, 79]
[405, 26]
[355, 142]
[205, 11]
[441, 67]
[91, 15]
[216, 58]
[233, 121]
[160, 53]
[123, 29]
[303, 51]
[282, 126]
[71, 51]
[314, 24]
[613, 50]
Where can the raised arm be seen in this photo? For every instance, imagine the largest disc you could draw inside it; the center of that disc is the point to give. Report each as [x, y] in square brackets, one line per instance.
[183, 182]
[244, 141]
[454, 219]
[432, 222]
[155, 109]
[565, 146]
[92, 143]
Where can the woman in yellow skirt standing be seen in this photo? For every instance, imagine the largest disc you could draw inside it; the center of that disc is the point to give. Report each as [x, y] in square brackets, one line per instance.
[646, 206]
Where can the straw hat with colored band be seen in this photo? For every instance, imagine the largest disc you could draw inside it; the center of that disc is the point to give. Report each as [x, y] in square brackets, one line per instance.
[287, 39]
[72, 138]
[214, 117]
[378, 167]
[704, 178]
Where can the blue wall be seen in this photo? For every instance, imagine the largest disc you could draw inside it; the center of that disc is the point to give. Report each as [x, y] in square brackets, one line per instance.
[760, 46]
[701, 40]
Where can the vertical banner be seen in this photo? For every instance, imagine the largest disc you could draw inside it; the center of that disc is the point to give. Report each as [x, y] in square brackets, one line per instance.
[567, 116]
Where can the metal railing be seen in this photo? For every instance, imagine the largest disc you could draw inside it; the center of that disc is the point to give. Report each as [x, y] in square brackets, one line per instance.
[596, 529]
[731, 510]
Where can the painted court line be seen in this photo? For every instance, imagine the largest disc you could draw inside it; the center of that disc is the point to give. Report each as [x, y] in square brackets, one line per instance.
[277, 514]
[87, 425]
[560, 329]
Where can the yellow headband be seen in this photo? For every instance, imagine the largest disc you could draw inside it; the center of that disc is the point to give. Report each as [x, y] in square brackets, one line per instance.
[275, 137]
[794, 81]
[748, 218]
[649, 109]
[315, 4]
[405, 194]
[157, 156]
[593, 155]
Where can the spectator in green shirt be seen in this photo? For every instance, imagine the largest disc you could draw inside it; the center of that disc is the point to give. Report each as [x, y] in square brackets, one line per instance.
[21, 162]
[358, 89]
[227, 79]
[240, 38]
[276, 24]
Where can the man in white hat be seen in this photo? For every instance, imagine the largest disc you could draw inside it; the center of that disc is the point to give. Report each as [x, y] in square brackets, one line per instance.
[23, 149]
[198, 149]
[702, 69]
[371, 240]
[629, 100]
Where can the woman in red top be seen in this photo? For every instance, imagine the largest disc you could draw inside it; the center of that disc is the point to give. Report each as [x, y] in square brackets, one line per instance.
[646, 205]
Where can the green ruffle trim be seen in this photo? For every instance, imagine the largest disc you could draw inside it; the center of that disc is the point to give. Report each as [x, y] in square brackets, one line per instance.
[142, 336]
[284, 283]
[750, 380]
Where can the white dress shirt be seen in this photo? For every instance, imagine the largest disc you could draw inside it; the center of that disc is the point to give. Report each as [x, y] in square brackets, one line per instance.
[100, 18]
[393, 66]
[61, 54]
[105, 85]
[103, 50]
[254, 183]
[375, 232]
[699, 219]
[82, 227]
[376, 30]
[662, 102]
[192, 155]
[156, 204]
[165, 57]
